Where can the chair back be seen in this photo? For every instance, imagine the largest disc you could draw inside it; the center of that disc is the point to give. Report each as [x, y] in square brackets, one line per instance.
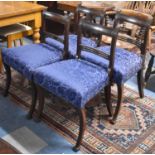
[143, 21]
[97, 30]
[92, 16]
[65, 20]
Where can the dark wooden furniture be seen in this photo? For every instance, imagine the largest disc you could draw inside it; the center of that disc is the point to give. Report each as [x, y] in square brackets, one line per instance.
[143, 21]
[58, 19]
[89, 15]
[69, 87]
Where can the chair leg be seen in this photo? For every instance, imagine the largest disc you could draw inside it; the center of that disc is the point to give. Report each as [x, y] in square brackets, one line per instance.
[34, 100]
[8, 79]
[41, 98]
[21, 41]
[149, 68]
[107, 91]
[15, 43]
[140, 81]
[82, 116]
[120, 88]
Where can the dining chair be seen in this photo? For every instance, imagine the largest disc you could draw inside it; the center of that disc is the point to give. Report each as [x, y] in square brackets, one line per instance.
[25, 59]
[89, 14]
[77, 80]
[127, 63]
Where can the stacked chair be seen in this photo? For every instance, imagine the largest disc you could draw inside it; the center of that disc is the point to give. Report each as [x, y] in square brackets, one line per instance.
[76, 68]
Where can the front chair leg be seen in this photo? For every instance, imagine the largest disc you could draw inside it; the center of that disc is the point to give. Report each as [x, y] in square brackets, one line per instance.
[120, 88]
[107, 91]
[82, 116]
[41, 98]
[34, 100]
[140, 81]
[8, 79]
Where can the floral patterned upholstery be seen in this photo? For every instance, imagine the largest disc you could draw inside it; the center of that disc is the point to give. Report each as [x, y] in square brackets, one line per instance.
[76, 81]
[72, 43]
[126, 64]
[25, 59]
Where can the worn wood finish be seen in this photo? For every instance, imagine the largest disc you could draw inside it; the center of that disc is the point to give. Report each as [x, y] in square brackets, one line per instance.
[143, 21]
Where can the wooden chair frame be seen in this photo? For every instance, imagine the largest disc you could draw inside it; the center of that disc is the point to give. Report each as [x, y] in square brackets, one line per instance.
[96, 30]
[144, 21]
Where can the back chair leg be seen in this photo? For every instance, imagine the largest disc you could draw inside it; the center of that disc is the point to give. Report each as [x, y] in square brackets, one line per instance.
[21, 41]
[34, 100]
[120, 88]
[140, 81]
[41, 98]
[149, 69]
[107, 91]
[82, 116]
[8, 79]
[15, 43]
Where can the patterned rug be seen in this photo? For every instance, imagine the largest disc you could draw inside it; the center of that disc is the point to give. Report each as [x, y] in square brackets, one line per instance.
[133, 133]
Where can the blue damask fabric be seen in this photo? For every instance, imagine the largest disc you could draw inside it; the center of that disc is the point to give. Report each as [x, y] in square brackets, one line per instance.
[76, 81]
[25, 59]
[126, 63]
[72, 43]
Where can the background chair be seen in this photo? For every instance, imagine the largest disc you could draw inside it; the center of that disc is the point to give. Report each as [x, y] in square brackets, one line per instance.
[127, 63]
[76, 80]
[88, 39]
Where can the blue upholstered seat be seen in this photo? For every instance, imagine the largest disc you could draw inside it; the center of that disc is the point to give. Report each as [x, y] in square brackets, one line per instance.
[25, 59]
[126, 63]
[76, 81]
[72, 43]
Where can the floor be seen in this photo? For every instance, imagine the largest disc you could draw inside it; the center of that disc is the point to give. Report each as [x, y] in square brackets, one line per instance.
[38, 137]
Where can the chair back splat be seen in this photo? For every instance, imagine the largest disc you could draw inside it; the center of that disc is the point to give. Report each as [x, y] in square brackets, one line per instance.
[65, 20]
[98, 30]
